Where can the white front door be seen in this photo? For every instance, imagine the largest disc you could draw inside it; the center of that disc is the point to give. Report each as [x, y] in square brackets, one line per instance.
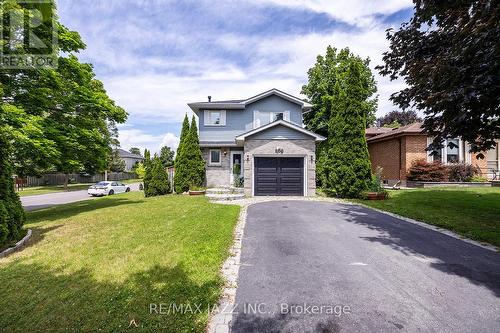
[236, 158]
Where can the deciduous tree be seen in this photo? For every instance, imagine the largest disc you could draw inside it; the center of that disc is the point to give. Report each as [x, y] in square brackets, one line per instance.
[398, 118]
[448, 55]
[135, 150]
[329, 71]
[167, 156]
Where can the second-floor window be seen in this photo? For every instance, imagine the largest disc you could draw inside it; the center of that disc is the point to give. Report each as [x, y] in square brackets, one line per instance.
[215, 118]
[262, 118]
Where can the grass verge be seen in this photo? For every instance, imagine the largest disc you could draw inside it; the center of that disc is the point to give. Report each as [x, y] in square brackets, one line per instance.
[97, 265]
[471, 212]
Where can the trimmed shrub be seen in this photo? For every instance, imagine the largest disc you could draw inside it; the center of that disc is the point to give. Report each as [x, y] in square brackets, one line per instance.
[461, 172]
[4, 230]
[478, 179]
[422, 170]
[140, 170]
[157, 179]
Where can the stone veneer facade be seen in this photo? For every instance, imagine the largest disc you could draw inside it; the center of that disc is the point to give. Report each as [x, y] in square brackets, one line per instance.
[291, 148]
[217, 175]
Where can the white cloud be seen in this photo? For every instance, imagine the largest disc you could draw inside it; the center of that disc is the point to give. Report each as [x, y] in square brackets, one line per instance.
[136, 138]
[170, 140]
[356, 12]
[154, 85]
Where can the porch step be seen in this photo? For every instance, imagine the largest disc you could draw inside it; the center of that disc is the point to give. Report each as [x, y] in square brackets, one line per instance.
[224, 196]
[225, 190]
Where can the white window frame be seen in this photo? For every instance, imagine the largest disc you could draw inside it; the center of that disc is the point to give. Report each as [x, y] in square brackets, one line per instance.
[444, 155]
[208, 118]
[257, 113]
[210, 157]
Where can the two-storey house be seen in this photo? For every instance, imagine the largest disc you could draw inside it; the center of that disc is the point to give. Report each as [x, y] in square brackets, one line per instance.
[264, 135]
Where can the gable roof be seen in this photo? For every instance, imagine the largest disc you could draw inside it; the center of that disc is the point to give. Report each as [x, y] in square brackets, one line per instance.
[242, 137]
[126, 154]
[412, 129]
[239, 104]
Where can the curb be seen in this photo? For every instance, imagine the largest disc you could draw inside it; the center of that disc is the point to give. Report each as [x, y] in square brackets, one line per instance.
[18, 245]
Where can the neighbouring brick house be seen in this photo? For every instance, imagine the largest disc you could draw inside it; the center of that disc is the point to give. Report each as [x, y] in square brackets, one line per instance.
[396, 149]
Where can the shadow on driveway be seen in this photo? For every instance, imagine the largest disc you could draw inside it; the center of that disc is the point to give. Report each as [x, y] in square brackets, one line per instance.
[480, 266]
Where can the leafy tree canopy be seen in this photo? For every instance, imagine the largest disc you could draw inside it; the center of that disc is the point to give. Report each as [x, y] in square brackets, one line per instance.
[116, 164]
[58, 119]
[135, 150]
[396, 119]
[329, 72]
[448, 55]
[167, 156]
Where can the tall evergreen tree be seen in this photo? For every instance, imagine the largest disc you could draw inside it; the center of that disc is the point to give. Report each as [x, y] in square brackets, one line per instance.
[344, 165]
[180, 177]
[11, 211]
[194, 157]
[147, 169]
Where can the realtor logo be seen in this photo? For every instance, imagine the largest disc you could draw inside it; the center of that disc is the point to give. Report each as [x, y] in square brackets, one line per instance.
[28, 34]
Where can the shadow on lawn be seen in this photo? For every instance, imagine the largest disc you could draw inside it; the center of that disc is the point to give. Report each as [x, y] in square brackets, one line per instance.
[35, 299]
[456, 257]
[71, 209]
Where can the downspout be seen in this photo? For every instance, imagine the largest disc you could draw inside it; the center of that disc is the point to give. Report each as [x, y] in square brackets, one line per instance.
[400, 157]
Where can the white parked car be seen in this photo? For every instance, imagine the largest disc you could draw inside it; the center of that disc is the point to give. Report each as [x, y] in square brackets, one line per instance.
[108, 188]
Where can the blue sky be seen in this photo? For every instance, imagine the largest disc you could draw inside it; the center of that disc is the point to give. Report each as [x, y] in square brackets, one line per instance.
[154, 56]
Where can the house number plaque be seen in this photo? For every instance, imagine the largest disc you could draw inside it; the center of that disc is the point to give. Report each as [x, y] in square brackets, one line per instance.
[279, 150]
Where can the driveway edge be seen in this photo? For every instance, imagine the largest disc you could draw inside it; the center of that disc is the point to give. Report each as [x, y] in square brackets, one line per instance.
[429, 226]
[219, 321]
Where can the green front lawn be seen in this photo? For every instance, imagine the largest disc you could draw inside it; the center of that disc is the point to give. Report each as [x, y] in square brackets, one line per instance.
[60, 188]
[96, 265]
[471, 212]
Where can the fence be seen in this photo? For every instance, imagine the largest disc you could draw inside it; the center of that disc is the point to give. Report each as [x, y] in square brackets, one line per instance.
[58, 178]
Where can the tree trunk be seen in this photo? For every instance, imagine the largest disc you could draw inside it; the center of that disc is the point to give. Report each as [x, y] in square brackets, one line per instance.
[105, 175]
[66, 178]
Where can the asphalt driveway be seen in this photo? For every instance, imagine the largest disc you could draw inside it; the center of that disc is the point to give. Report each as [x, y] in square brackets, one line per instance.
[322, 267]
[40, 201]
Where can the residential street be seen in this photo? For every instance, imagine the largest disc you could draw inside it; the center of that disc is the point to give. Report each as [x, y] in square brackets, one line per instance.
[52, 199]
[374, 272]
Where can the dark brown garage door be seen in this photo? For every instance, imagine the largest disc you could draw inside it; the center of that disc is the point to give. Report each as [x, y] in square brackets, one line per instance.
[279, 176]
